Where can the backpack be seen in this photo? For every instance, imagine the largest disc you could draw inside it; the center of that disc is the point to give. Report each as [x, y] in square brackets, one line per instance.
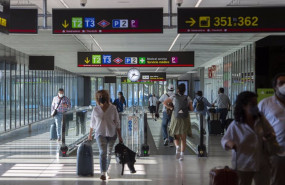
[181, 107]
[200, 104]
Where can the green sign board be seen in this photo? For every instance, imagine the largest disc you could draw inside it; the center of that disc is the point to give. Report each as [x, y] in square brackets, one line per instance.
[264, 93]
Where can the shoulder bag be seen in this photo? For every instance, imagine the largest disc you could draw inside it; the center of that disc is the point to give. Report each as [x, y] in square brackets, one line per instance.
[54, 112]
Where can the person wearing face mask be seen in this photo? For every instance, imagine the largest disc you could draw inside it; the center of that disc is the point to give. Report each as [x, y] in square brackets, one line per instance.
[273, 109]
[120, 102]
[106, 124]
[246, 136]
[62, 104]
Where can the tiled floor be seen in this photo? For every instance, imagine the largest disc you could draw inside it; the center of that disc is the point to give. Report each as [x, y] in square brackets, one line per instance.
[33, 160]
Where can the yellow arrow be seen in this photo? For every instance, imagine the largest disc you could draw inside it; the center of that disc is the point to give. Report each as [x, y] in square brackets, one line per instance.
[65, 24]
[87, 60]
[191, 21]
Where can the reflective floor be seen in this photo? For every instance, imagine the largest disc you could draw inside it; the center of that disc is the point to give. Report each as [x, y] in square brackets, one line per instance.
[33, 160]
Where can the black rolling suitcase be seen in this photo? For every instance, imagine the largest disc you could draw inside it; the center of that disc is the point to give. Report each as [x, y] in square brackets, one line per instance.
[85, 159]
[53, 134]
[215, 127]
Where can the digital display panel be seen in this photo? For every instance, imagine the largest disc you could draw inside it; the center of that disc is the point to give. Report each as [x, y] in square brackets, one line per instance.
[107, 21]
[4, 16]
[41, 62]
[24, 21]
[136, 59]
[231, 20]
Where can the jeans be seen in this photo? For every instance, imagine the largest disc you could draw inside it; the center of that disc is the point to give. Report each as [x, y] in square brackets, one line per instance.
[105, 145]
[223, 116]
[58, 122]
[165, 121]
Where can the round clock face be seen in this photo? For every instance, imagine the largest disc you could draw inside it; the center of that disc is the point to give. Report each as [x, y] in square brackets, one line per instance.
[134, 74]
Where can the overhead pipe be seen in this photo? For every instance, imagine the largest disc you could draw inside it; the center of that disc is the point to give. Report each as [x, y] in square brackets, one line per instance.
[45, 14]
[170, 13]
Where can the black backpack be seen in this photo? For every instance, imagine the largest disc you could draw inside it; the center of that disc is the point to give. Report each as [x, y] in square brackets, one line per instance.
[181, 108]
[200, 104]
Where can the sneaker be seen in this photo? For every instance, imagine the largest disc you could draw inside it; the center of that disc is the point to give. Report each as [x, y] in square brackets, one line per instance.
[103, 177]
[171, 144]
[165, 142]
[181, 158]
[177, 152]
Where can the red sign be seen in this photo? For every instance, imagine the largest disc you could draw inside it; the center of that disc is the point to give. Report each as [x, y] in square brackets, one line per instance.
[210, 72]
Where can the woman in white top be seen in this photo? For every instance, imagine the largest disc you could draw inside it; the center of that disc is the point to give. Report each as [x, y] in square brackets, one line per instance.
[106, 123]
[247, 135]
[180, 124]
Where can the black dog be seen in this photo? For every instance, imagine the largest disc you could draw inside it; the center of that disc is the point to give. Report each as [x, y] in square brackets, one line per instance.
[125, 156]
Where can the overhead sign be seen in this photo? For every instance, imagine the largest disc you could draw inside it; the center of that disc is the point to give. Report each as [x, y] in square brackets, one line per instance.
[136, 59]
[24, 21]
[125, 80]
[4, 16]
[231, 20]
[102, 21]
[152, 76]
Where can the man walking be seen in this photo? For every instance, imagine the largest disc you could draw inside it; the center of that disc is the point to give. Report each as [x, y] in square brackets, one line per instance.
[224, 104]
[60, 103]
[273, 109]
[152, 105]
[165, 117]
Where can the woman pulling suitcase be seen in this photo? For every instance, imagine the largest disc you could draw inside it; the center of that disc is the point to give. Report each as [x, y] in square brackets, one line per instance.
[106, 124]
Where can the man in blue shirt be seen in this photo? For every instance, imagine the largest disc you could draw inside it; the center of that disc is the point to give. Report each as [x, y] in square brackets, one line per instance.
[200, 97]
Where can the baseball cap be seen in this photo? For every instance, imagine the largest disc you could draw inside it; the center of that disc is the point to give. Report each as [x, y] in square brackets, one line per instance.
[170, 87]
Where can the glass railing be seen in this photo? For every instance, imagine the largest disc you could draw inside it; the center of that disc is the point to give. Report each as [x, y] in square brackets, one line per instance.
[75, 127]
[194, 141]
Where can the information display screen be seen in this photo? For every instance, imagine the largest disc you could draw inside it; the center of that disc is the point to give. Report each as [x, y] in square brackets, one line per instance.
[24, 21]
[152, 76]
[102, 21]
[4, 16]
[231, 20]
[136, 59]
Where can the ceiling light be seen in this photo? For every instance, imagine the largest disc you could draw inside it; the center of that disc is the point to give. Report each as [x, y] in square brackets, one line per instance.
[64, 3]
[157, 69]
[174, 42]
[198, 3]
[96, 42]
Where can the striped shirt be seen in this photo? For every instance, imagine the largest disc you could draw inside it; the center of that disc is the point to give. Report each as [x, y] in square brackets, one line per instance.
[223, 101]
[61, 108]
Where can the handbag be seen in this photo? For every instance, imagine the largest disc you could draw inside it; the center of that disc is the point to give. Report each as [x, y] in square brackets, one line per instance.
[54, 112]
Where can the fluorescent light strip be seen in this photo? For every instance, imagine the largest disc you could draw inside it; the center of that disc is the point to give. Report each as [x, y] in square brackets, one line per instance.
[96, 42]
[197, 4]
[64, 3]
[174, 42]
[157, 69]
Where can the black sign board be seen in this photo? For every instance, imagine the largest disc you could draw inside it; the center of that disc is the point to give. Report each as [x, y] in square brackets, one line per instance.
[110, 79]
[41, 62]
[98, 21]
[4, 16]
[152, 76]
[24, 21]
[231, 20]
[136, 59]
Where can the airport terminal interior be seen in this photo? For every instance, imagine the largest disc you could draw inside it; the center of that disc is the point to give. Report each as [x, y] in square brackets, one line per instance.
[144, 49]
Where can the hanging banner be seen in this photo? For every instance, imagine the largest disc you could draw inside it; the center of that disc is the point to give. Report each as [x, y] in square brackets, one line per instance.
[136, 59]
[231, 20]
[107, 21]
[4, 16]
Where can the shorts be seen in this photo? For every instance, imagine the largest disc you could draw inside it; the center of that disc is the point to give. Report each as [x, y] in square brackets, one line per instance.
[152, 109]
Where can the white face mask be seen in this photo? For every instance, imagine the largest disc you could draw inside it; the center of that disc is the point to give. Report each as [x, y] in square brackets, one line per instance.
[282, 89]
[60, 95]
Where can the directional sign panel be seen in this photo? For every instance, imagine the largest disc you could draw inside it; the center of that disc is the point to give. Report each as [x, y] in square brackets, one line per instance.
[152, 76]
[4, 16]
[102, 21]
[24, 21]
[231, 20]
[136, 59]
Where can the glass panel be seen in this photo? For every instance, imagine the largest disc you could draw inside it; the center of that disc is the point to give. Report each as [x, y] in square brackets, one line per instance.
[145, 94]
[2, 96]
[136, 92]
[8, 96]
[130, 95]
[125, 91]
[100, 83]
[112, 91]
[13, 95]
[141, 94]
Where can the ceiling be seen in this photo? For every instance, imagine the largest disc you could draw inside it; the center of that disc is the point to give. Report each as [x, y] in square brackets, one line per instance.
[207, 47]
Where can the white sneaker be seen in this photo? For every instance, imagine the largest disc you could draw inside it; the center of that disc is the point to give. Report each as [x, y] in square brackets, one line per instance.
[181, 158]
[177, 152]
